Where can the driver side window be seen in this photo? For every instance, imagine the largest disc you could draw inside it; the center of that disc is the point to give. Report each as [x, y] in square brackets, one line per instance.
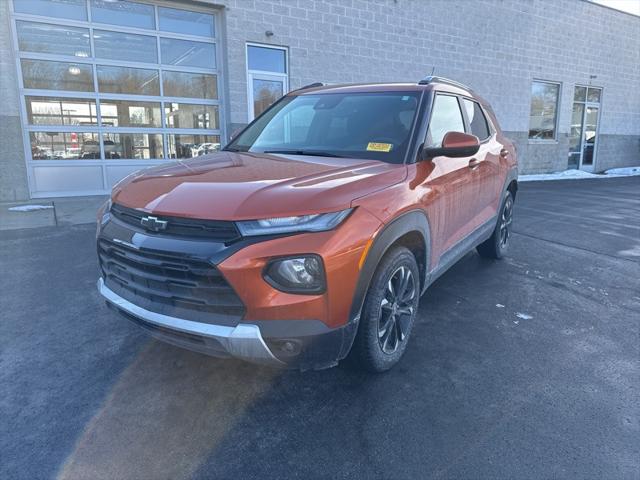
[446, 117]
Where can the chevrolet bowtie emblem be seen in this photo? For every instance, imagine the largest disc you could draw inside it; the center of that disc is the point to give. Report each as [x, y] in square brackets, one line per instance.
[153, 223]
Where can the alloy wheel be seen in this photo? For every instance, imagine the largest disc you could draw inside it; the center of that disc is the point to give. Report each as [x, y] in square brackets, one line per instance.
[505, 222]
[396, 309]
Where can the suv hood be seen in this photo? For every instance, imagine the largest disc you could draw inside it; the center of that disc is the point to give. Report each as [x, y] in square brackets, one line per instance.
[243, 186]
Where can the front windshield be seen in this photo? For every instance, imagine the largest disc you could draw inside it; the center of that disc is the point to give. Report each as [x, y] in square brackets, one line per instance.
[357, 125]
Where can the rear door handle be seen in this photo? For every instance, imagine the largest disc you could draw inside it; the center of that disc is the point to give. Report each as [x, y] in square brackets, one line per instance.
[473, 163]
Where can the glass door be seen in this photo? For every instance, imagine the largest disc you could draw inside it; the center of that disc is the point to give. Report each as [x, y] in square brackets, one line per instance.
[583, 136]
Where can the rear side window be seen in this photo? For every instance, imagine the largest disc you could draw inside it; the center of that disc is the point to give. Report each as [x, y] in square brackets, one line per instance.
[477, 120]
[446, 117]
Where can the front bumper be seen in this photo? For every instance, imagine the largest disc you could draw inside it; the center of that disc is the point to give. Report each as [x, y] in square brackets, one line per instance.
[314, 345]
[243, 341]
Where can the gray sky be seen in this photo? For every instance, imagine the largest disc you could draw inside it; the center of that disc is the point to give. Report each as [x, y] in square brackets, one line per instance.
[629, 6]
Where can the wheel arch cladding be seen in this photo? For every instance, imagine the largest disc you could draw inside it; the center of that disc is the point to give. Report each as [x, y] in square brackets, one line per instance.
[513, 188]
[410, 230]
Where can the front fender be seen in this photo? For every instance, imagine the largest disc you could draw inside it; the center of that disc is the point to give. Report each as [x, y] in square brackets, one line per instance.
[413, 221]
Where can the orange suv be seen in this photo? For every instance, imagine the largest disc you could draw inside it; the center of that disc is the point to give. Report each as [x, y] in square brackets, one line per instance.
[312, 235]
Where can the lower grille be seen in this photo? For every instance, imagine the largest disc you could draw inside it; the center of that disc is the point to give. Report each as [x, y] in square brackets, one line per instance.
[163, 281]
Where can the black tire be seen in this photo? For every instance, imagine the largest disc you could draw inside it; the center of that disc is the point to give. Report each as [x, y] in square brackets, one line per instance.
[387, 316]
[498, 244]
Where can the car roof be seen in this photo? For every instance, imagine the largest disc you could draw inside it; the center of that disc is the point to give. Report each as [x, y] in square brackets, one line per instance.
[318, 88]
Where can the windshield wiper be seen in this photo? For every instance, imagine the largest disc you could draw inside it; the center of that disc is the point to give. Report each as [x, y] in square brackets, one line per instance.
[312, 153]
[235, 149]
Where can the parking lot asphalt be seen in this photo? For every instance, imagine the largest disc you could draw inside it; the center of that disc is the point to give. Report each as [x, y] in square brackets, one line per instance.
[521, 368]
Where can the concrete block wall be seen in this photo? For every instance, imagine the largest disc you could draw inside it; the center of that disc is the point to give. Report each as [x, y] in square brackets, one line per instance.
[496, 46]
[13, 172]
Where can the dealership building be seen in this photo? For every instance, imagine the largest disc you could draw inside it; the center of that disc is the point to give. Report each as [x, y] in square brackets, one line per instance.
[93, 90]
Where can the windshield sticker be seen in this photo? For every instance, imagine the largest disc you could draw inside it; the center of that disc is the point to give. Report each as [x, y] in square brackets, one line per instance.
[379, 147]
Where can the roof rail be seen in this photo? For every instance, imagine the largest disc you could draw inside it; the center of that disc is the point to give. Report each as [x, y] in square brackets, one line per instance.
[312, 85]
[433, 79]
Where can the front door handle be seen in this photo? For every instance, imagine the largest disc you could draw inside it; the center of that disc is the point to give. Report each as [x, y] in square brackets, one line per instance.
[473, 163]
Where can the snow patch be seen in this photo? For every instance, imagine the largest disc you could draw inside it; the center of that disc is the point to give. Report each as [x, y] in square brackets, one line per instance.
[580, 174]
[499, 305]
[523, 316]
[625, 171]
[29, 208]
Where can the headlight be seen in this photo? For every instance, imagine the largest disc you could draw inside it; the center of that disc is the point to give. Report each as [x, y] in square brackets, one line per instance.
[304, 223]
[300, 274]
[103, 215]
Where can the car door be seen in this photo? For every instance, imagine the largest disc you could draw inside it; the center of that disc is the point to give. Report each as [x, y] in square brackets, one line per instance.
[451, 207]
[486, 183]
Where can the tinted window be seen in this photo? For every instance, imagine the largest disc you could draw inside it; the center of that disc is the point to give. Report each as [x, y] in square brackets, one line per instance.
[46, 38]
[46, 75]
[188, 53]
[125, 46]
[477, 120]
[126, 113]
[61, 111]
[72, 9]
[130, 14]
[137, 81]
[182, 21]
[266, 59]
[446, 117]
[194, 85]
[357, 125]
[544, 105]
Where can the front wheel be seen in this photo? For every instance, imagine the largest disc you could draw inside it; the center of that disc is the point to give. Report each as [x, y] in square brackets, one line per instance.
[496, 246]
[389, 312]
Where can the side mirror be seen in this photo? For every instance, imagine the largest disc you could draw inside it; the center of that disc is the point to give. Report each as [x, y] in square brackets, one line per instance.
[454, 144]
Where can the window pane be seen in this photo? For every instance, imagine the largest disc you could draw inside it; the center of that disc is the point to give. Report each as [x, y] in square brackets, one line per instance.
[125, 113]
[128, 80]
[266, 59]
[446, 117]
[57, 75]
[46, 38]
[183, 21]
[477, 120]
[197, 85]
[71, 9]
[187, 146]
[185, 115]
[130, 14]
[184, 52]
[64, 146]
[593, 95]
[125, 46]
[590, 130]
[132, 145]
[61, 111]
[544, 104]
[265, 93]
[576, 127]
[580, 94]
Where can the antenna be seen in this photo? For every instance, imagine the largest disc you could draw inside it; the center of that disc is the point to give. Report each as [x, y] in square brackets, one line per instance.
[433, 70]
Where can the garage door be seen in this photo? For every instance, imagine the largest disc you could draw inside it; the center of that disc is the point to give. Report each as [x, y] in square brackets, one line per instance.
[110, 87]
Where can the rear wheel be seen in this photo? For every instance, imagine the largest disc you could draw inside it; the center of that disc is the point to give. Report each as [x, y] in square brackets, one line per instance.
[497, 245]
[389, 312]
